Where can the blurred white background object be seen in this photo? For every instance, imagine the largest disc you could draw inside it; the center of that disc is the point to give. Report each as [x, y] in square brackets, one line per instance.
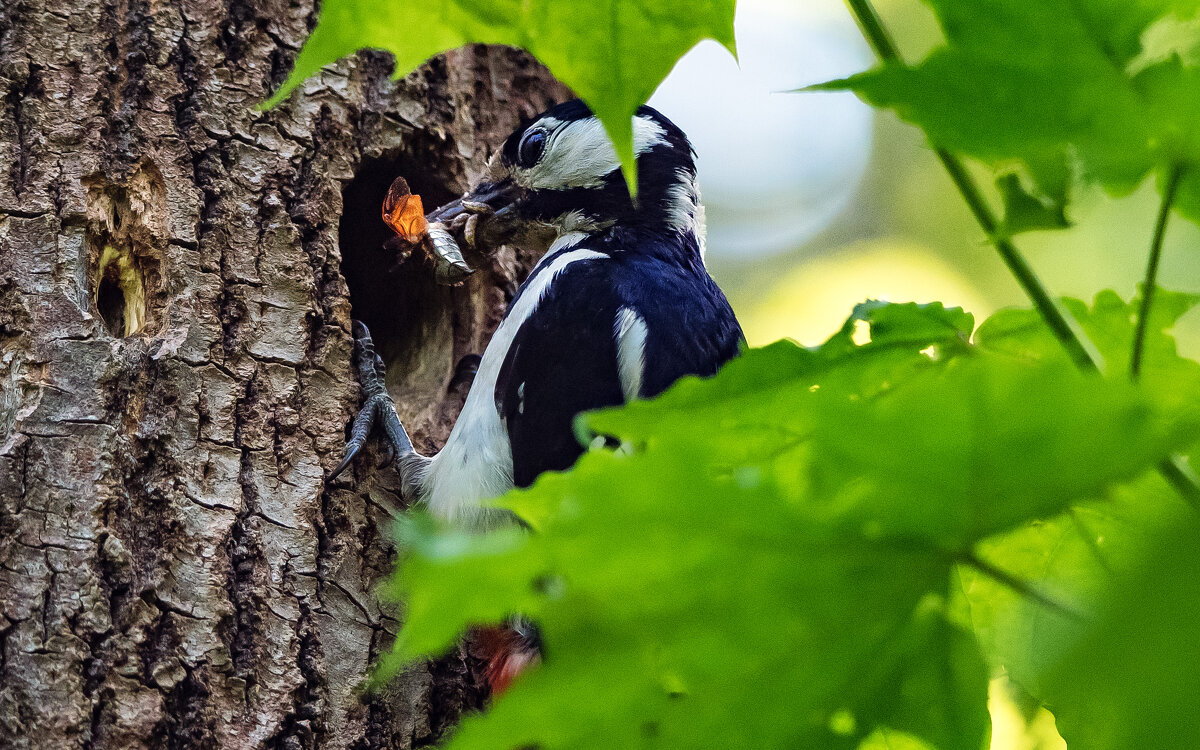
[775, 168]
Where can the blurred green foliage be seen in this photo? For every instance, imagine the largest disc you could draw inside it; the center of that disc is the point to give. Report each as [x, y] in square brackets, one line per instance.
[767, 561]
[1131, 679]
[1051, 82]
[907, 217]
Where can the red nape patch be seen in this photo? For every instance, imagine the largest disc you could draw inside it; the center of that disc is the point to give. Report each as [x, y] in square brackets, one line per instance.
[508, 653]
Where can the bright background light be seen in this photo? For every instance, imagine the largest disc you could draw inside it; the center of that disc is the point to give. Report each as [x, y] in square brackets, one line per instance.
[775, 168]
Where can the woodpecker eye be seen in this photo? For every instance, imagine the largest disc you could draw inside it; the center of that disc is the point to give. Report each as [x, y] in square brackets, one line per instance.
[531, 147]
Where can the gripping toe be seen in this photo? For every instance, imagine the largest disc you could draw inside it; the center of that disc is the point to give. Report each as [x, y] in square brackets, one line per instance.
[377, 405]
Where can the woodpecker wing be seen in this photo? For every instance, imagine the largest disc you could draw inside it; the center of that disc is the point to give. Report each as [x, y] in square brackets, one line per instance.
[626, 325]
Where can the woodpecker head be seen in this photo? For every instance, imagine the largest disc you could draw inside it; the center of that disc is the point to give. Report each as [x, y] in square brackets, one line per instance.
[561, 171]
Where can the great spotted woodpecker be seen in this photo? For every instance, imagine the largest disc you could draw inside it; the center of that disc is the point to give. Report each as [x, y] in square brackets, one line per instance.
[619, 308]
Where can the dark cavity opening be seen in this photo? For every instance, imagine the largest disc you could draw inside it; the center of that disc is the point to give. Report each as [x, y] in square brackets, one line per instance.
[410, 316]
[119, 287]
[110, 302]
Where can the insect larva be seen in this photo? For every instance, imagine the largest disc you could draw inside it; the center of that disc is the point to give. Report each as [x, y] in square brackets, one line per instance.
[451, 268]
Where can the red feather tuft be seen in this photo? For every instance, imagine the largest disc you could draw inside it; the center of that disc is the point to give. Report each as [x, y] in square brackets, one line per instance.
[507, 652]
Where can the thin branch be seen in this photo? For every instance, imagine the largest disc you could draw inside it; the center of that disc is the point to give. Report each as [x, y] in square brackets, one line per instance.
[1151, 282]
[1173, 469]
[1018, 266]
[1024, 588]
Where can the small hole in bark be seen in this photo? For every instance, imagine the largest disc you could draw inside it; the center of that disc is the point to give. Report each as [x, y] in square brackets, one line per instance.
[410, 316]
[120, 295]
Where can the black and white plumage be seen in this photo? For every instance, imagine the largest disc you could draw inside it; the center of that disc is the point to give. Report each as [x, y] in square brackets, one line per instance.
[619, 308]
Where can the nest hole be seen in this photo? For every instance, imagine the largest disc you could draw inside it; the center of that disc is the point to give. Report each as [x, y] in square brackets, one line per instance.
[120, 291]
[410, 316]
[125, 249]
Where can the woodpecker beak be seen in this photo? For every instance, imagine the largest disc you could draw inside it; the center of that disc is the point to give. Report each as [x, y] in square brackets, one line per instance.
[495, 200]
[492, 198]
[447, 213]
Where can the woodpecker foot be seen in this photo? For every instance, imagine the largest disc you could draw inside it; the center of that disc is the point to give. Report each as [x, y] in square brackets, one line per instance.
[377, 407]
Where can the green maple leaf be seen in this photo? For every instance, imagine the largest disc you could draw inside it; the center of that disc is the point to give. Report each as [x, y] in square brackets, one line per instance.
[1109, 324]
[613, 54]
[1130, 682]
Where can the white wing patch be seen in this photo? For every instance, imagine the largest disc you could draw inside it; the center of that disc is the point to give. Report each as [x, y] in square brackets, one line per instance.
[476, 463]
[580, 155]
[630, 332]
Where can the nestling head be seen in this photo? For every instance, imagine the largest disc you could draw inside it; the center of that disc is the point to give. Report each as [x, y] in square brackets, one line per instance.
[561, 171]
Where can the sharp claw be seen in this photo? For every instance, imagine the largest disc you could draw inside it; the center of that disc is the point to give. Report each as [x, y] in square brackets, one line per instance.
[350, 454]
[364, 421]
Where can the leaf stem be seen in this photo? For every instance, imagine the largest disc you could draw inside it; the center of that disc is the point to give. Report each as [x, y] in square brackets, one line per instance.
[1151, 282]
[1017, 265]
[873, 29]
[1173, 469]
[1024, 588]
[881, 41]
[1184, 481]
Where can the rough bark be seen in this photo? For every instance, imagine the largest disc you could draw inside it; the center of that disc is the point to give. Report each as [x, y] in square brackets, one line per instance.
[175, 304]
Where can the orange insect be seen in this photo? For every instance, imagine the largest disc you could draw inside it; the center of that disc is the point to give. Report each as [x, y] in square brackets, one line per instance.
[403, 212]
[405, 215]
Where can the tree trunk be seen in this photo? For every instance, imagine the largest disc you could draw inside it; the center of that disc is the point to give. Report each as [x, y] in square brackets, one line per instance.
[175, 379]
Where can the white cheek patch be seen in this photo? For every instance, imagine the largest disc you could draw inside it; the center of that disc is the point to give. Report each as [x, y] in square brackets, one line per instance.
[579, 154]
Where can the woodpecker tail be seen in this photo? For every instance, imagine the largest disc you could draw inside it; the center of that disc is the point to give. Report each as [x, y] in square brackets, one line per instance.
[508, 651]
